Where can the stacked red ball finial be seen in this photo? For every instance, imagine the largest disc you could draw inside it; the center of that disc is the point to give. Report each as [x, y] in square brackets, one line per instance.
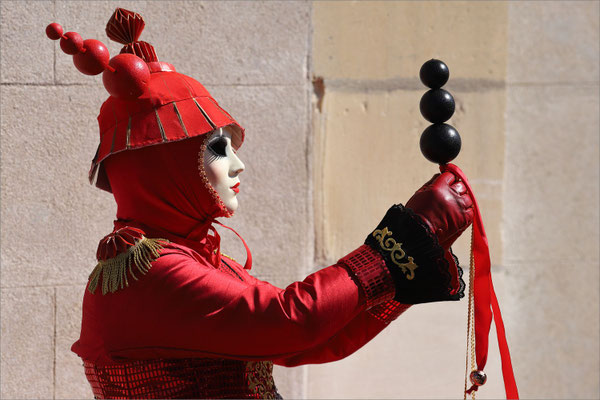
[124, 76]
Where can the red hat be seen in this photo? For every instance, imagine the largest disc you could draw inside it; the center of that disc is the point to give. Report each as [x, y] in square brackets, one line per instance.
[150, 102]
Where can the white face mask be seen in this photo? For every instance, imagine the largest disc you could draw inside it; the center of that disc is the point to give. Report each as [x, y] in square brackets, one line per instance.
[222, 167]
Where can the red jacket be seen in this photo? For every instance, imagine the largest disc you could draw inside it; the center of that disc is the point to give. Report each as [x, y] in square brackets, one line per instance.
[184, 308]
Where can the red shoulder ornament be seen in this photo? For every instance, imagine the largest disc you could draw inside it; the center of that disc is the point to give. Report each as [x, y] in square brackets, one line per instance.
[118, 254]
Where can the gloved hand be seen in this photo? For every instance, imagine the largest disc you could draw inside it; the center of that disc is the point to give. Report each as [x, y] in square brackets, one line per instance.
[414, 241]
[445, 206]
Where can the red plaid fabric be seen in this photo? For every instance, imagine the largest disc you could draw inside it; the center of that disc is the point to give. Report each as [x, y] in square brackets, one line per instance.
[388, 311]
[192, 378]
[373, 276]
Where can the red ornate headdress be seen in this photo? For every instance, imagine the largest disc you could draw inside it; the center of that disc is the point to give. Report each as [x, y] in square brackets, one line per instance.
[150, 103]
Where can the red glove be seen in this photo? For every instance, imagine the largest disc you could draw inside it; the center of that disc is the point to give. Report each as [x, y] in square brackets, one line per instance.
[445, 207]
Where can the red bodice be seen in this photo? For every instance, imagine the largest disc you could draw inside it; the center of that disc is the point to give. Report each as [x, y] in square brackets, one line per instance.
[188, 378]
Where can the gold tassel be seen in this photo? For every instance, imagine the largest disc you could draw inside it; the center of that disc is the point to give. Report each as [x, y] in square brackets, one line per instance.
[114, 271]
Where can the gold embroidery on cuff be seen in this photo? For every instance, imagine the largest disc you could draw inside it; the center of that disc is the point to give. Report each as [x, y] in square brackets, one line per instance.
[397, 253]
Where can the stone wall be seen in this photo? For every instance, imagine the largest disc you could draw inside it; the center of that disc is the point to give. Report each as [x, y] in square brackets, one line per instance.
[551, 201]
[326, 159]
[525, 79]
[367, 157]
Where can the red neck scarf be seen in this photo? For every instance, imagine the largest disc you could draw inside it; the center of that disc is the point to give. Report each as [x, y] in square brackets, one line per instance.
[163, 190]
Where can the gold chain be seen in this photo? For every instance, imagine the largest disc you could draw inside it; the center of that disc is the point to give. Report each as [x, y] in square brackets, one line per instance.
[470, 325]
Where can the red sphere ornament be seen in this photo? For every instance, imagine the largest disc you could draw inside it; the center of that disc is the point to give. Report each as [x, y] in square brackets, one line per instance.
[54, 31]
[71, 43]
[93, 59]
[126, 77]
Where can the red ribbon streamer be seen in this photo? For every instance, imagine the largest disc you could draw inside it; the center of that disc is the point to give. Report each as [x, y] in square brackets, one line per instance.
[485, 301]
[248, 264]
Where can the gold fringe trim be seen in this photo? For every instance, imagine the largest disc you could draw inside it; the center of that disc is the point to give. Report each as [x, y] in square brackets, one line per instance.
[226, 256]
[114, 271]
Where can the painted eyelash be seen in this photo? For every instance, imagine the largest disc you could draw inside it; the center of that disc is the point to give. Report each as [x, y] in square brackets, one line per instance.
[218, 147]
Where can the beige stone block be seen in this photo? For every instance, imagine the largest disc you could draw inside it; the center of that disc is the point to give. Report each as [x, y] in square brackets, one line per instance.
[27, 346]
[551, 191]
[231, 42]
[368, 158]
[273, 216]
[290, 382]
[383, 40]
[552, 320]
[52, 218]
[70, 382]
[419, 356]
[263, 42]
[27, 54]
[553, 41]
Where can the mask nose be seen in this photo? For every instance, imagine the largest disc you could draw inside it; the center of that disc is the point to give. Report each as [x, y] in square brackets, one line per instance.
[236, 167]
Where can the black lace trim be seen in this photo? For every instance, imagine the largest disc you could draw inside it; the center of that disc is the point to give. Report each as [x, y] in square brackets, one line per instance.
[461, 282]
[431, 280]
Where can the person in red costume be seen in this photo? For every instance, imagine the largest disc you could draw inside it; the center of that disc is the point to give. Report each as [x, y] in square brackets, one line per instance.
[166, 315]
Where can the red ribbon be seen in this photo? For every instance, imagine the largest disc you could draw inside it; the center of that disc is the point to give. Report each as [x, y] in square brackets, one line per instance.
[485, 301]
[248, 264]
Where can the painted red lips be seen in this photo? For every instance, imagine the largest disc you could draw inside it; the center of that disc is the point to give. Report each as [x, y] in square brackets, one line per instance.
[235, 188]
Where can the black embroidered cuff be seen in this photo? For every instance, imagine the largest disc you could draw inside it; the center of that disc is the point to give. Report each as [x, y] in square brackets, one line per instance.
[372, 275]
[414, 258]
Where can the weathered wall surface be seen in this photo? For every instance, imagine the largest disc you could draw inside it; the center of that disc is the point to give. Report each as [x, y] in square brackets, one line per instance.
[551, 197]
[252, 57]
[525, 78]
[367, 158]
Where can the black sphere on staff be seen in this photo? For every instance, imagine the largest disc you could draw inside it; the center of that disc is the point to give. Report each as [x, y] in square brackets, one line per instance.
[437, 106]
[434, 74]
[440, 143]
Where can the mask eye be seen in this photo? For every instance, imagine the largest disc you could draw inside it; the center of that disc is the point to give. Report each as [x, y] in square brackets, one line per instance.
[218, 146]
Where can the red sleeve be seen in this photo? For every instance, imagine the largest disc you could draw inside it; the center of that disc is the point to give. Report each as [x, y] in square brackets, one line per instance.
[352, 337]
[184, 307]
